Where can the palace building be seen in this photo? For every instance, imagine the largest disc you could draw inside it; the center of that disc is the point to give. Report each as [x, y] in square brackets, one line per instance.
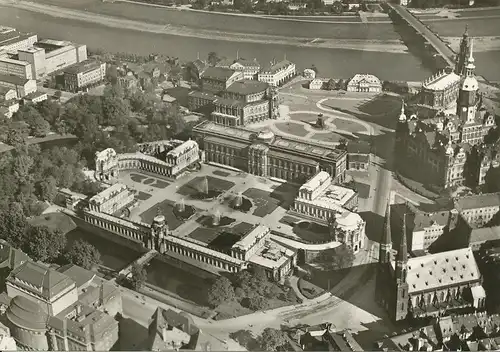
[429, 285]
[325, 202]
[269, 155]
[168, 158]
[438, 147]
[112, 199]
[277, 73]
[440, 90]
[364, 83]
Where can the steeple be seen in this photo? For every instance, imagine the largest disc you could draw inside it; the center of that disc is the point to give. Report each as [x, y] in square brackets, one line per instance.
[385, 247]
[403, 246]
[461, 59]
[402, 115]
[466, 32]
[470, 62]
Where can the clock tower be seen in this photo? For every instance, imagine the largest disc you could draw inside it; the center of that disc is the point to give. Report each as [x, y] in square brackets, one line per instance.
[468, 95]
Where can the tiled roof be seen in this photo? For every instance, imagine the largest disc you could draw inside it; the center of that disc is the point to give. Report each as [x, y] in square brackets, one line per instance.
[246, 87]
[19, 81]
[358, 147]
[83, 67]
[40, 279]
[430, 272]
[218, 73]
[80, 275]
[484, 234]
[247, 63]
[478, 201]
[27, 314]
[11, 257]
[204, 95]
[276, 67]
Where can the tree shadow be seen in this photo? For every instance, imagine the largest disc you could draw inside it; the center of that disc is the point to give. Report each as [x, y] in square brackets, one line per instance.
[132, 336]
[246, 339]
[285, 193]
[376, 221]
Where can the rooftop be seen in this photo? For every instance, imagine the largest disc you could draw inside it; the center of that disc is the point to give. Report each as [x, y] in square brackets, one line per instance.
[78, 274]
[430, 272]
[441, 81]
[247, 63]
[183, 148]
[276, 67]
[12, 61]
[333, 198]
[317, 180]
[19, 81]
[246, 87]
[218, 73]
[200, 94]
[364, 77]
[271, 255]
[478, 201]
[108, 193]
[26, 313]
[358, 147]
[253, 236]
[40, 279]
[484, 234]
[176, 327]
[83, 67]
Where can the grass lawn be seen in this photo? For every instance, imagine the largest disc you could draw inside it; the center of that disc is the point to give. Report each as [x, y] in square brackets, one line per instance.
[307, 118]
[53, 221]
[218, 236]
[380, 104]
[167, 209]
[221, 173]
[292, 128]
[138, 178]
[193, 187]
[142, 195]
[349, 126]
[309, 290]
[327, 137]
[312, 232]
[265, 204]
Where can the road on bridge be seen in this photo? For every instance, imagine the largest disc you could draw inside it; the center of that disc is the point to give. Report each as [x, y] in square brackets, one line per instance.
[432, 38]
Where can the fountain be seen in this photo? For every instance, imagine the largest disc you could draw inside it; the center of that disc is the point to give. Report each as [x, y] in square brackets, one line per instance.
[239, 200]
[181, 206]
[216, 218]
[203, 186]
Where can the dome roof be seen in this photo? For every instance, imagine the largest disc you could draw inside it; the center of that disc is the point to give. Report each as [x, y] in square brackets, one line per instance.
[27, 314]
[348, 219]
[265, 135]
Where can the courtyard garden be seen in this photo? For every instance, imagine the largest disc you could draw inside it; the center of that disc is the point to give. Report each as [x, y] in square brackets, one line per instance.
[205, 187]
[221, 237]
[168, 209]
[147, 180]
[327, 137]
[264, 203]
[348, 125]
[312, 232]
[294, 128]
[307, 118]
[308, 289]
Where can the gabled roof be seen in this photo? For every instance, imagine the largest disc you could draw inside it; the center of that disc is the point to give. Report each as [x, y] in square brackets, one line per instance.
[478, 201]
[246, 87]
[218, 73]
[40, 279]
[11, 257]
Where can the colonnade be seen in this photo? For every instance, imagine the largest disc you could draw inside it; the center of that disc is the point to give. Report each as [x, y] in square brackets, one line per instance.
[146, 165]
[133, 231]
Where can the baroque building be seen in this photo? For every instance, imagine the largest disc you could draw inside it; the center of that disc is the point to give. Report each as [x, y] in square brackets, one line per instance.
[438, 147]
[429, 285]
[269, 155]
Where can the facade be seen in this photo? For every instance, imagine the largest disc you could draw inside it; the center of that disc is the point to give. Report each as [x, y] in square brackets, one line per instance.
[201, 101]
[250, 68]
[438, 147]
[309, 73]
[112, 199]
[54, 292]
[217, 79]
[15, 67]
[358, 155]
[245, 102]
[48, 56]
[479, 209]
[364, 83]
[168, 158]
[35, 97]
[7, 94]
[81, 323]
[84, 75]
[7, 342]
[22, 86]
[11, 106]
[316, 84]
[325, 202]
[277, 73]
[11, 40]
[429, 285]
[440, 90]
[269, 155]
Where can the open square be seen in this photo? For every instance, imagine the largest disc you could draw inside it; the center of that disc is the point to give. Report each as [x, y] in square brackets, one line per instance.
[292, 128]
[264, 203]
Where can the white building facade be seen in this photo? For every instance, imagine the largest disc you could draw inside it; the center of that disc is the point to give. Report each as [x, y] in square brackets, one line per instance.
[277, 73]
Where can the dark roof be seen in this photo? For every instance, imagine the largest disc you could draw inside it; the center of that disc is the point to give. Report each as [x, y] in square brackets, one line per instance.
[358, 147]
[358, 158]
[82, 67]
[39, 279]
[27, 314]
[246, 87]
[80, 275]
[248, 63]
[478, 201]
[276, 67]
[229, 102]
[19, 81]
[204, 95]
[218, 73]
[11, 257]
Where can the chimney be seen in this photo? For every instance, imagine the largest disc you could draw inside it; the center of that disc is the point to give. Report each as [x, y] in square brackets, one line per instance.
[101, 295]
[78, 309]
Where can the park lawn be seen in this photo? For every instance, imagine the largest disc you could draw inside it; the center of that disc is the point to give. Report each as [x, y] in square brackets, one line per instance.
[312, 232]
[264, 203]
[307, 118]
[380, 104]
[292, 128]
[142, 196]
[167, 209]
[308, 289]
[54, 221]
[350, 126]
[192, 187]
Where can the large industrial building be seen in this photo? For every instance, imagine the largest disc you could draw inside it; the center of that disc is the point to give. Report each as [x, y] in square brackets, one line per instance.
[84, 75]
[11, 40]
[269, 155]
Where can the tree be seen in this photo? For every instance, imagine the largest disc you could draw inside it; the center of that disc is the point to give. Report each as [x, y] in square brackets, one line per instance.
[48, 189]
[15, 137]
[271, 339]
[315, 69]
[39, 127]
[213, 58]
[13, 225]
[138, 276]
[175, 75]
[58, 95]
[342, 144]
[83, 254]
[340, 84]
[338, 258]
[44, 244]
[331, 84]
[257, 303]
[337, 7]
[221, 291]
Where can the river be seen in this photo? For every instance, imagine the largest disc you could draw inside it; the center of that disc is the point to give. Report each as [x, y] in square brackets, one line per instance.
[341, 63]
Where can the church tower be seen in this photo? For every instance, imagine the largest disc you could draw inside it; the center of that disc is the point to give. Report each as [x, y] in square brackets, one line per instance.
[463, 54]
[401, 301]
[468, 97]
[159, 230]
[384, 277]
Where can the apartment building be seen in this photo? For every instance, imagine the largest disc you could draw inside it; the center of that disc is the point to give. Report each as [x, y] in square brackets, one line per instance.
[22, 86]
[11, 40]
[478, 209]
[84, 75]
[15, 67]
[277, 73]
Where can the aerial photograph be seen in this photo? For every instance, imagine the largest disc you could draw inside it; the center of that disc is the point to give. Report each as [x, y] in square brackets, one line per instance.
[250, 175]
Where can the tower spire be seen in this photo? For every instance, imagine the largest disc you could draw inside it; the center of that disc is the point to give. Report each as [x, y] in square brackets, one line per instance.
[471, 51]
[466, 32]
[385, 247]
[402, 115]
[403, 246]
